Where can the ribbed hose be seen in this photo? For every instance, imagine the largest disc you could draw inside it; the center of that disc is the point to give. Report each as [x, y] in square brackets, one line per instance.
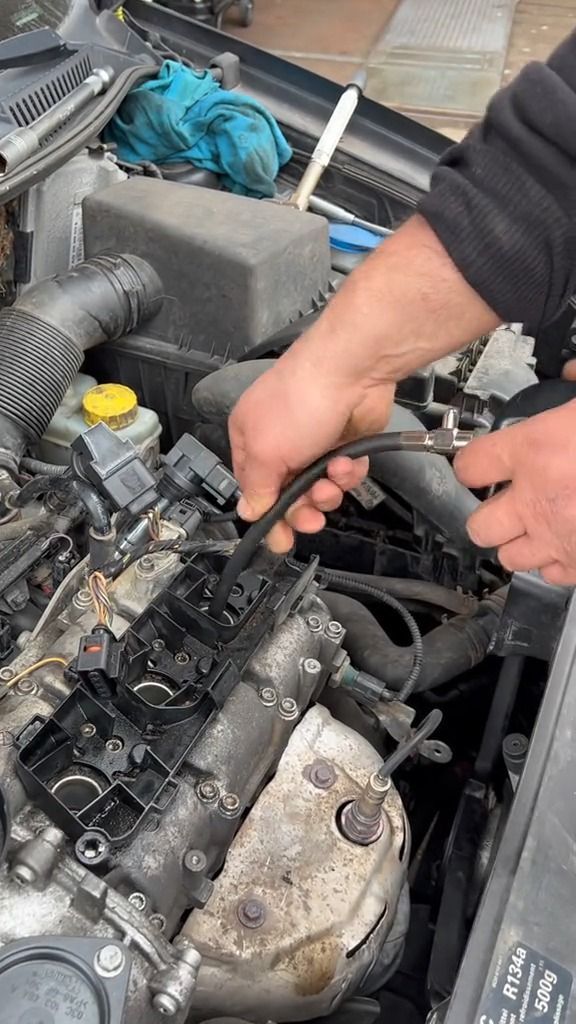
[38, 364]
[44, 336]
[366, 590]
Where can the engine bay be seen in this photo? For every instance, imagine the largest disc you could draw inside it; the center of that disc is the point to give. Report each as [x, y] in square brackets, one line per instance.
[284, 806]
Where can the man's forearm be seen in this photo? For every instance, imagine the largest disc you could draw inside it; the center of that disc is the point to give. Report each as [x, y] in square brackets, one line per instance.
[406, 306]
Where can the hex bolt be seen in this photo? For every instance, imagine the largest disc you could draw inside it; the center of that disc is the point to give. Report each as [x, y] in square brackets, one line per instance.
[146, 563]
[251, 913]
[138, 900]
[288, 708]
[114, 745]
[322, 775]
[207, 791]
[26, 688]
[229, 805]
[87, 730]
[109, 961]
[195, 861]
[182, 658]
[314, 623]
[165, 1004]
[334, 630]
[268, 696]
[158, 644]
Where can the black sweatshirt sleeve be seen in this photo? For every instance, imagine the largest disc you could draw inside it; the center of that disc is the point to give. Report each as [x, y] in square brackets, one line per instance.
[503, 201]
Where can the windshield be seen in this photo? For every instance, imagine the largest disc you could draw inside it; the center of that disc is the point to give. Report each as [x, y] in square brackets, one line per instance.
[17, 16]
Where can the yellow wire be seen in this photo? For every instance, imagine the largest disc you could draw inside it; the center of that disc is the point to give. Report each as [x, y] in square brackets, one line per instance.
[32, 668]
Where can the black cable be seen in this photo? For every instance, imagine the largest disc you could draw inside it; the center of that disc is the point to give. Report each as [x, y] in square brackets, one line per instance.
[359, 587]
[410, 746]
[376, 443]
[221, 517]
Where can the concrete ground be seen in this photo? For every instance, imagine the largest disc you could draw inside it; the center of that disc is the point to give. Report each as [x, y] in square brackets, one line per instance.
[336, 37]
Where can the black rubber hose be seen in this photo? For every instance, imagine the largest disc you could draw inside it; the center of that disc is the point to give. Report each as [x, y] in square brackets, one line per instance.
[374, 444]
[45, 468]
[501, 709]
[448, 651]
[44, 336]
[416, 651]
[93, 502]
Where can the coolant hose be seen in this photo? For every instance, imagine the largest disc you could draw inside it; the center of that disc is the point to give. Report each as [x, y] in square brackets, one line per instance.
[426, 482]
[44, 335]
[448, 651]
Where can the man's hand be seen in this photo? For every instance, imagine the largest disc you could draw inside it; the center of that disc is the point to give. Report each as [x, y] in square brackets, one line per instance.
[532, 521]
[294, 413]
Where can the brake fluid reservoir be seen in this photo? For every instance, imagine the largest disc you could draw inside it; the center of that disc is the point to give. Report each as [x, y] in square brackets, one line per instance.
[85, 403]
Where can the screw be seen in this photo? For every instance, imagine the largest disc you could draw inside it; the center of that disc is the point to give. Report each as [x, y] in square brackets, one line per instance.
[158, 922]
[334, 630]
[87, 730]
[158, 644]
[6, 738]
[229, 805]
[6, 674]
[251, 913]
[314, 623]
[195, 860]
[322, 775]
[268, 696]
[138, 900]
[26, 688]
[207, 791]
[165, 1004]
[288, 708]
[182, 658]
[114, 745]
[109, 961]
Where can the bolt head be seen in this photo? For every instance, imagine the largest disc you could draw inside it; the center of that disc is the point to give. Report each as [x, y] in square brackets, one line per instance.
[314, 623]
[146, 563]
[195, 861]
[322, 775]
[251, 913]
[6, 674]
[158, 644]
[288, 708]
[334, 629]
[87, 730]
[207, 791]
[268, 696]
[158, 922]
[312, 665]
[109, 961]
[229, 805]
[138, 900]
[26, 688]
[182, 658]
[114, 745]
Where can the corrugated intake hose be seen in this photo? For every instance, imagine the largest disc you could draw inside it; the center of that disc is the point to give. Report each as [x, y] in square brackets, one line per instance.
[426, 482]
[44, 335]
[448, 651]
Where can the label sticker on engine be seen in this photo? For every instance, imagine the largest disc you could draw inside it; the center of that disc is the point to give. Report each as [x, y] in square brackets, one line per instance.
[527, 988]
[368, 493]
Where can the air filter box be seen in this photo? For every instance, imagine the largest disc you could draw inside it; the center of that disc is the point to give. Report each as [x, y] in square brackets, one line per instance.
[235, 270]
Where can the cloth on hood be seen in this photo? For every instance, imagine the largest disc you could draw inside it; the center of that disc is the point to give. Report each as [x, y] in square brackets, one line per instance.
[185, 115]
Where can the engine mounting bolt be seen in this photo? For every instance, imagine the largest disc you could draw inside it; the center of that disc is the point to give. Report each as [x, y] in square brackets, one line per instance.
[6, 674]
[207, 791]
[314, 623]
[334, 630]
[195, 861]
[288, 708]
[114, 745]
[158, 644]
[26, 688]
[165, 1004]
[182, 658]
[251, 913]
[322, 775]
[268, 696]
[87, 730]
[138, 900]
[109, 961]
[229, 805]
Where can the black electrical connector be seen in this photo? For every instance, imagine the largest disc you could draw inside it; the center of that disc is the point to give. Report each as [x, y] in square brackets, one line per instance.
[115, 468]
[192, 469]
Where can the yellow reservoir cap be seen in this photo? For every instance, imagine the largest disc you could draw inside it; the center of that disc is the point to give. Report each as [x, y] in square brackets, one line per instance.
[112, 404]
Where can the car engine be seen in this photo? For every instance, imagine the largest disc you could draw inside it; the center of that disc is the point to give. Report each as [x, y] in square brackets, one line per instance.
[287, 810]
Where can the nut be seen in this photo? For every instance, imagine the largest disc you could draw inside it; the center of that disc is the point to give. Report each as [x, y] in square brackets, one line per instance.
[195, 861]
[322, 775]
[251, 913]
[207, 791]
[268, 696]
[229, 805]
[288, 708]
[109, 961]
[314, 623]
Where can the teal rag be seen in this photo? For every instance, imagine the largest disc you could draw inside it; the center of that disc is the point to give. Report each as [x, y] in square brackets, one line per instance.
[185, 115]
